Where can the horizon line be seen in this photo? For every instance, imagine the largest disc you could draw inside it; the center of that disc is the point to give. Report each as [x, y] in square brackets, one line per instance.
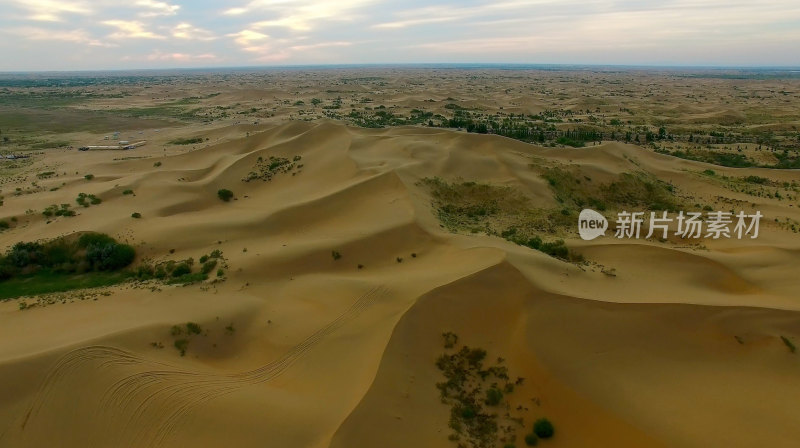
[445, 65]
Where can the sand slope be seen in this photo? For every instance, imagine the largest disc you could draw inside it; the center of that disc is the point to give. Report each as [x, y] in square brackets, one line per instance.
[681, 348]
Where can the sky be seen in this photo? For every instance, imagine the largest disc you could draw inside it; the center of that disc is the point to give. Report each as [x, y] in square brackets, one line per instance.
[138, 34]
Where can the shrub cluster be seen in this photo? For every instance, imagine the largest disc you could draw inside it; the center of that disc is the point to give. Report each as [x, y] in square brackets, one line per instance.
[89, 252]
[181, 271]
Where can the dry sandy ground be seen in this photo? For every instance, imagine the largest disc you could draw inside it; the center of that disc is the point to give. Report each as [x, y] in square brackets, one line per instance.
[682, 348]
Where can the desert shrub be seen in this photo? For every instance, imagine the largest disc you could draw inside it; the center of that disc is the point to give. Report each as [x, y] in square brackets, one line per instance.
[182, 345]
[204, 258]
[136, 215]
[756, 180]
[531, 439]
[450, 339]
[84, 199]
[789, 344]
[220, 272]
[89, 176]
[127, 192]
[216, 253]
[55, 210]
[186, 141]
[181, 269]
[4, 225]
[336, 255]
[493, 396]
[110, 256]
[193, 328]
[208, 266]
[157, 164]
[543, 428]
[225, 194]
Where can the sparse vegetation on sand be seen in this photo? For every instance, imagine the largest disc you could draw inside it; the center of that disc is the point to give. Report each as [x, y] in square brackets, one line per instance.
[77, 261]
[477, 394]
[183, 272]
[575, 191]
[55, 210]
[266, 169]
[85, 200]
[500, 211]
[183, 334]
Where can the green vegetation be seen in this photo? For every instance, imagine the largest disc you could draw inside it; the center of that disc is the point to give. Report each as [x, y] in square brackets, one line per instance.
[336, 255]
[85, 261]
[181, 272]
[575, 191]
[543, 428]
[85, 200]
[186, 141]
[474, 421]
[89, 176]
[531, 439]
[127, 192]
[55, 210]
[225, 194]
[183, 335]
[136, 215]
[499, 211]
[789, 344]
[182, 345]
[266, 169]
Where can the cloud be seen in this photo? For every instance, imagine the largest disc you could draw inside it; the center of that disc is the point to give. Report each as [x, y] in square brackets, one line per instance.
[245, 38]
[51, 10]
[78, 36]
[297, 15]
[320, 45]
[130, 30]
[156, 8]
[180, 57]
[189, 32]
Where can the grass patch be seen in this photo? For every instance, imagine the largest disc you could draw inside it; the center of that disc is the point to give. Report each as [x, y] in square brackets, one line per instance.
[46, 281]
[500, 211]
[576, 191]
[187, 141]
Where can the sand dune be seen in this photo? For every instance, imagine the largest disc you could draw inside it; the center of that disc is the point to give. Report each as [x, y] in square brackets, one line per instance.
[682, 347]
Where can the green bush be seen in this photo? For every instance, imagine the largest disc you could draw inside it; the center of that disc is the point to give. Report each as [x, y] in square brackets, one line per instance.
[493, 396]
[543, 428]
[89, 176]
[136, 215]
[225, 194]
[181, 269]
[182, 345]
[127, 192]
[110, 256]
[531, 440]
[208, 266]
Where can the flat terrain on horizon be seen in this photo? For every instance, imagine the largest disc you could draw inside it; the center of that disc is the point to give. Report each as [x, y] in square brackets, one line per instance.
[396, 261]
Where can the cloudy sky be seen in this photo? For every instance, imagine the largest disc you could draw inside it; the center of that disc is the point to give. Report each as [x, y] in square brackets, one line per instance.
[112, 34]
